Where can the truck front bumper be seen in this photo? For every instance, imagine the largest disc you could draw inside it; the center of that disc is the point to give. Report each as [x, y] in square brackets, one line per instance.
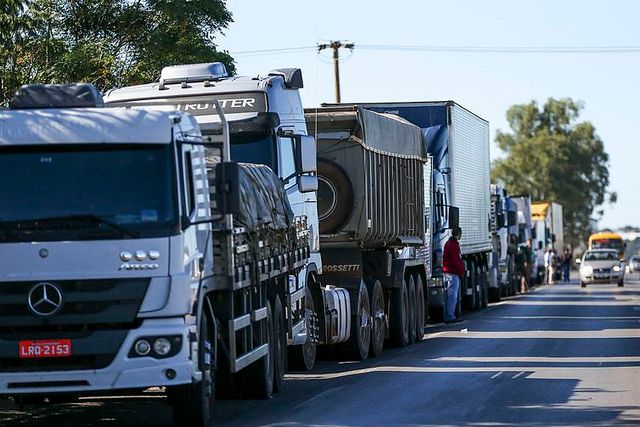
[124, 372]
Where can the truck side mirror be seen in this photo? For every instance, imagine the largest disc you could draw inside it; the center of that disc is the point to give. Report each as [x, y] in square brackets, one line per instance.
[227, 194]
[307, 183]
[500, 220]
[553, 238]
[512, 218]
[454, 216]
[306, 154]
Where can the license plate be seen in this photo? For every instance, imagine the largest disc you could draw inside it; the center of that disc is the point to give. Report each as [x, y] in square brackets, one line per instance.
[44, 348]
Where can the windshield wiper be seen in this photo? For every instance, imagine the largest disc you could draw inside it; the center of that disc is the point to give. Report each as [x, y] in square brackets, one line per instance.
[89, 218]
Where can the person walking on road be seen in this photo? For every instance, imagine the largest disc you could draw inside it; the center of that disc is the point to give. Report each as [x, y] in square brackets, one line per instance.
[552, 266]
[521, 268]
[566, 264]
[453, 269]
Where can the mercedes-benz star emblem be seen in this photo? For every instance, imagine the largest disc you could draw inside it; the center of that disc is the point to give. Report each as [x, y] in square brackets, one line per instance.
[45, 299]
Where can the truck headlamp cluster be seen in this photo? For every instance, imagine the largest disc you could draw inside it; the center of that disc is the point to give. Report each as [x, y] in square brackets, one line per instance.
[139, 255]
[158, 347]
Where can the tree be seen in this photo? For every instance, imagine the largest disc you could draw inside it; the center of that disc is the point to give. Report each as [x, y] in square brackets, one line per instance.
[552, 157]
[110, 43]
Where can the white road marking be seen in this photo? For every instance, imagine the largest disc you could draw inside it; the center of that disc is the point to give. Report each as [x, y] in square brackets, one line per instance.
[496, 375]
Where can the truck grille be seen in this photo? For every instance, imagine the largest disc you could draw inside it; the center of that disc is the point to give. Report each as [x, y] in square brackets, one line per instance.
[96, 316]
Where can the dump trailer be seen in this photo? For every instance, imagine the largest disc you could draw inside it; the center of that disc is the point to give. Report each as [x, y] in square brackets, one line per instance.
[160, 262]
[374, 197]
[458, 142]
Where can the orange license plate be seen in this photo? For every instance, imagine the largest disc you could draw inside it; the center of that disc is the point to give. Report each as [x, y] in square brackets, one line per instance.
[44, 348]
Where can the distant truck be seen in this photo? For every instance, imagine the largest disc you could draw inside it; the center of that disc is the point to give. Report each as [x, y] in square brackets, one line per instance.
[374, 201]
[503, 235]
[525, 232]
[548, 231]
[458, 142]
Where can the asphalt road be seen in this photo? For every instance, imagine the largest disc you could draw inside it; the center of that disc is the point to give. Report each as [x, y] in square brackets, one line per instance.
[560, 355]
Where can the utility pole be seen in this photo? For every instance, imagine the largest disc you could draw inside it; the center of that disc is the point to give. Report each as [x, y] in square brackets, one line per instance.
[336, 45]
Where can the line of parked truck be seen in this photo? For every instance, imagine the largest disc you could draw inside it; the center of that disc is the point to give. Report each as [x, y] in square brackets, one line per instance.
[205, 233]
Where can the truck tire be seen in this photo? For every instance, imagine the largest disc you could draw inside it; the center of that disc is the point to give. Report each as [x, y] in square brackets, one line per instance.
[412, 310]
[484, 287]
[303, 357]
[357, 348]
[335, 197]
[257, 378]
[378, 318]
[193, 404]
[399, 316]
[280, 345]
[420, 308]
[469, 288]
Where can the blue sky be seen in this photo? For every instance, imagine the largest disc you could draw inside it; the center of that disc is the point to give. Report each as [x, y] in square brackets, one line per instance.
[486, 83]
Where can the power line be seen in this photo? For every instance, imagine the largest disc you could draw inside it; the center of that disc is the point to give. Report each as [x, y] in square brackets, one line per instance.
[459, 49]
[505, 49]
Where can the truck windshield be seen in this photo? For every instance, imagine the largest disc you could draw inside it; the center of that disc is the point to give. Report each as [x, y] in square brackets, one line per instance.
[89, 193]
[252, 147]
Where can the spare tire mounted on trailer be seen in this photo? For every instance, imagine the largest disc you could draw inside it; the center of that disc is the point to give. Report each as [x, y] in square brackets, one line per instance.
[335, 197]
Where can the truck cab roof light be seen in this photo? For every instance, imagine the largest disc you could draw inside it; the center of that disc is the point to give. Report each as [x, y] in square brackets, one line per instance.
[77, 95]
[192, 73]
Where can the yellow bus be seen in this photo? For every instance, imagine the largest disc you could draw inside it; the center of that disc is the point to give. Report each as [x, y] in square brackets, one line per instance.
[607, 240]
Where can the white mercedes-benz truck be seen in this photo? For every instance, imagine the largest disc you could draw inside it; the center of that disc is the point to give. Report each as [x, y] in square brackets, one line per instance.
[135, 253]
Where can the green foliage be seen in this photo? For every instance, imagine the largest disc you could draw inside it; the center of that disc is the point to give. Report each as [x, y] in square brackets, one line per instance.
[551, 157]
[110, 43]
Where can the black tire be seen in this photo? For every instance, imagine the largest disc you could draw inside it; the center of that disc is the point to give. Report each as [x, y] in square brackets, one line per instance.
[412, 310]
[495, 294]
[257, 378]
[303, 357]
[378, 318]
[621, 283]
[469, 301]
[357, 348]
[484, 287]
[420, 309]
[280, 345]
[193, 404]
[335, 196]
[399, 316]
[583, 285]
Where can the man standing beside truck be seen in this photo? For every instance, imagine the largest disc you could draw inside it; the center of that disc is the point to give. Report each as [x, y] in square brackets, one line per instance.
[453, 269]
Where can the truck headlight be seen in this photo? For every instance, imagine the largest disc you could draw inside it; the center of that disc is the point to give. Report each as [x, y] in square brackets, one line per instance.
[616, 268]
[162, 346]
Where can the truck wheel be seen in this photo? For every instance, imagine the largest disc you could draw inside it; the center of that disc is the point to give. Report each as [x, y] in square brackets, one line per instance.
[412, 310]
[621, 283]
[280, 345]
[378, 319]
[484, 287]
[420, 308]
[357, 348]
[583, 285]
[303, 357]
[399, 320]
[335, 197]
[192, 404]
[469, 288]
[257, 378]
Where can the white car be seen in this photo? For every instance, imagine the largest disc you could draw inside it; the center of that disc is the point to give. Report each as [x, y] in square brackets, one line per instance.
[601, 266]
